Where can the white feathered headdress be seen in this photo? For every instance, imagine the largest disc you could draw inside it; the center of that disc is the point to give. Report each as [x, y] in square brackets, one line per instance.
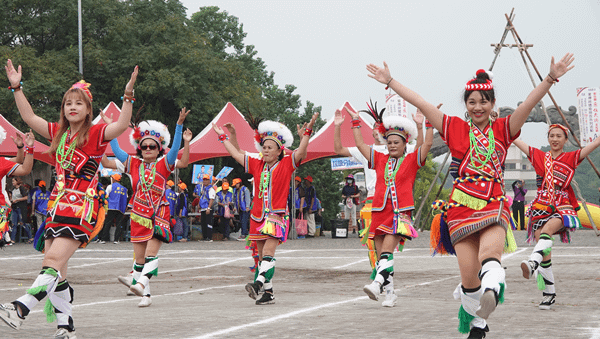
[152, 129]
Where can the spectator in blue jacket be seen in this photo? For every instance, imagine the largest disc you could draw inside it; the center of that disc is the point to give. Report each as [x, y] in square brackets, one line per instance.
[171, 197]
[39, 201]
[309, 206]
[117, 203]
[182, 210]
[225, 199]
[242, 199]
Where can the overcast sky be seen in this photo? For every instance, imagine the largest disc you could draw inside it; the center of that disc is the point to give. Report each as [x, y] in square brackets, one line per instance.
[431, 46]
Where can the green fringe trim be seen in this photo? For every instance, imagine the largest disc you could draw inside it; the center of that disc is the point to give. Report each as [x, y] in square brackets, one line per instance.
[141, 220]
[50, 271]
[374, 273]
[546, 251]
[545, 236]
[49, 310]
[364, 236]
[467, 200]
[35, 290]
[501, 294]
[464, 320]
[510, 245]
[541, 284]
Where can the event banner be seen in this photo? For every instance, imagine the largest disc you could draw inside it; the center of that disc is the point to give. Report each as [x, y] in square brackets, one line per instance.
[587, 108]
[200, 171]
[338, 164]
[395, 105]
[224, 172]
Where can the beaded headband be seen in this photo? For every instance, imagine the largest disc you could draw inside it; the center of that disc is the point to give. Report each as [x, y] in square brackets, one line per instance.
[150, 129]
[397, 125]
[487, 86]
[85, 86]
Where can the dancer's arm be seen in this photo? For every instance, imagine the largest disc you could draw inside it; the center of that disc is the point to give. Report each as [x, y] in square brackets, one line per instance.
[36, 123]
[300, 152]
[364, 149]
[433, 114]
[236, 154]
[172, 155]
[18, 140]
[233, 136]
[521, 113]
[116, 128]
[522, 146]
[119, 153]
[337, 135]
[419, 118]
[185, 157]
[589, 148]
[427, 144]
[25, 168]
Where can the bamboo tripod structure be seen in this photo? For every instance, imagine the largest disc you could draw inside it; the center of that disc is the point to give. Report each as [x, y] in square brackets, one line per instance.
[522, 47]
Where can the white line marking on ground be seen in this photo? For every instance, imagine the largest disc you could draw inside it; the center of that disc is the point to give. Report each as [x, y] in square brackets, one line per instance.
[506, 256]
[207, 266]
[350, 264]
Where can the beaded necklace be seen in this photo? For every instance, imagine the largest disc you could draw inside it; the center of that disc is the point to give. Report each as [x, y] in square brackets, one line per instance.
[476, 150]
[146, 184]
[265, 177]
[390, 172]
[64, 157]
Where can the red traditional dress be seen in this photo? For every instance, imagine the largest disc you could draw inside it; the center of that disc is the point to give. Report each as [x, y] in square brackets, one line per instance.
[477, 199]
[555, 197]
[271, 197]
[7, 167]
[75, 208]
[393, 201]
[150, 215]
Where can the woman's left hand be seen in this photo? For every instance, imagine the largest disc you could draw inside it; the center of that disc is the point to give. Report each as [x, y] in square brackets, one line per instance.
[187, 135]
[129, 86]
[29, 138]
[182, 115]
[563, 66]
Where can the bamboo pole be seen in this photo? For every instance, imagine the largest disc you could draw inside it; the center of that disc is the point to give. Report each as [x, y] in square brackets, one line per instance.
[499, 46]
[437, 175]
[584, 204]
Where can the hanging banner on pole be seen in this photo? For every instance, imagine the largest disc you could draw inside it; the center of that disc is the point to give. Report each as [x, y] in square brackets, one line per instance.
[338, 164]
[587, 108]
[396, 106]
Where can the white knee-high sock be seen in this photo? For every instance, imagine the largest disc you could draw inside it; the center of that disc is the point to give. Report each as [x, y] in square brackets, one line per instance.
[541, 249]
[62, 299]
[547, 278]
[493, 277]
[385, 269]
[44, 284]
[150, 269]
[266, 270]
[469, 299]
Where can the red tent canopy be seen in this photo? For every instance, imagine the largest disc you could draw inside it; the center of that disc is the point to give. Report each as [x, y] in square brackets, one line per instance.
[9, 149]
[321, 144]
[113, 111]
[206, 145]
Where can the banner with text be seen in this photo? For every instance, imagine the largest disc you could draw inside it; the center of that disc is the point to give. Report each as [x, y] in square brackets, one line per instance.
[338, 164]
[395, 105]
[587, 108]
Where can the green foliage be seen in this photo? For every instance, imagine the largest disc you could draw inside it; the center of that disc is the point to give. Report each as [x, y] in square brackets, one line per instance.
[424, 179]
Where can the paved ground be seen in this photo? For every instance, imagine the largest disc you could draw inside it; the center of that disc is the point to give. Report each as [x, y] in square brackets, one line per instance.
[199, 293]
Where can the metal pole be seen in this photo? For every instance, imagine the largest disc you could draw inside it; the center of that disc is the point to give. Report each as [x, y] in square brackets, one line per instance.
[80, 38]
[292, 232]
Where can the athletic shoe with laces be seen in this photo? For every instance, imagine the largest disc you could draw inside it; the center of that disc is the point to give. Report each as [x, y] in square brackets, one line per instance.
[547, 302]
[138, 289]
[528, 268]
[373, 290]
[8, 313]
[487, 303]
[126, 280]
[478, 333]
[63, 333]
[390, 299]
[146, 301]
[267, 298]
[253, 289]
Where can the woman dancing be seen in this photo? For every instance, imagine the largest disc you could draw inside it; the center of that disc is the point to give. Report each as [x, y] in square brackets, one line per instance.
[477, 217]
[553, 211]
[393, 203]
[150, 216]
[78, 147]
[269, 215]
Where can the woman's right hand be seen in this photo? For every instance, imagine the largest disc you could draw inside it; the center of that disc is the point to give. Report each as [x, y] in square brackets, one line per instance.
[217, 129]
[352, 113]
[14, 76]
[29, 138]
[129, 86]
[380, 74]
[338, 118]
[559, 69]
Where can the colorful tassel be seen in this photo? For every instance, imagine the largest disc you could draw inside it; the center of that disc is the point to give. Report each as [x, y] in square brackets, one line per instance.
[510, 245]
[541, 284]
[464, 320]
[501, 293]
[142, 221]
[467, 200]
[49, 311]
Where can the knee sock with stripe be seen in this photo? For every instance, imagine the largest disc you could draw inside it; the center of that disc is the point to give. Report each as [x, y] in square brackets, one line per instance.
[493, 277]
[150, 269]
[541, 249]
[62, 300]
[385, 269]
[469, 299]
[266, 270]
[44, 284]
[545, 278]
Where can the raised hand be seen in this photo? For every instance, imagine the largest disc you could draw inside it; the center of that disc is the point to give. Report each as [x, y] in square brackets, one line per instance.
[217, 129]
[187, 135]
[338, 118]
[352, 113]
[29, 138]
[230, 128]
[129, 86]
[563, 66]
[312, 121]
[380, 74]
[14, 76]
[182, 115]
[18, 140]
[418, 118]
[105, 118]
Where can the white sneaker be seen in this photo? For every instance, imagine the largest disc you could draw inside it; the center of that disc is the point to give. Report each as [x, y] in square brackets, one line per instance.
[146, 301]
[487, 304]
[390, 299]
[8, 313]
[62, 333]
[138, 289]
[372, 290]
[528, 268]
[126, 280]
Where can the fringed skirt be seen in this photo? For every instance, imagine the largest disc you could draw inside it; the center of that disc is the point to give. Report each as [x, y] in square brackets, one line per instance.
[540, 215]
[144, 229]
[269, 227]
[382, 223]
[463, 221]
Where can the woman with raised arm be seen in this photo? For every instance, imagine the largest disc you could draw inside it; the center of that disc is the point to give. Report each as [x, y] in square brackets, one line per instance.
[10, 168]
[393, 203]
[554, 209]
[150, 215]
[476, 218]
[269, 217]
[78, 147]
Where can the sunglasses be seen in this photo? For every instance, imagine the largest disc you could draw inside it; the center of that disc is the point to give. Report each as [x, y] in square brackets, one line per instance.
[150, 147]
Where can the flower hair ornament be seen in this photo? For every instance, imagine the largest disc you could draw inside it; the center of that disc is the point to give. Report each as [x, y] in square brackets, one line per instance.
[269, 130]
[150, 129]
[475, 85]
[84, 86]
